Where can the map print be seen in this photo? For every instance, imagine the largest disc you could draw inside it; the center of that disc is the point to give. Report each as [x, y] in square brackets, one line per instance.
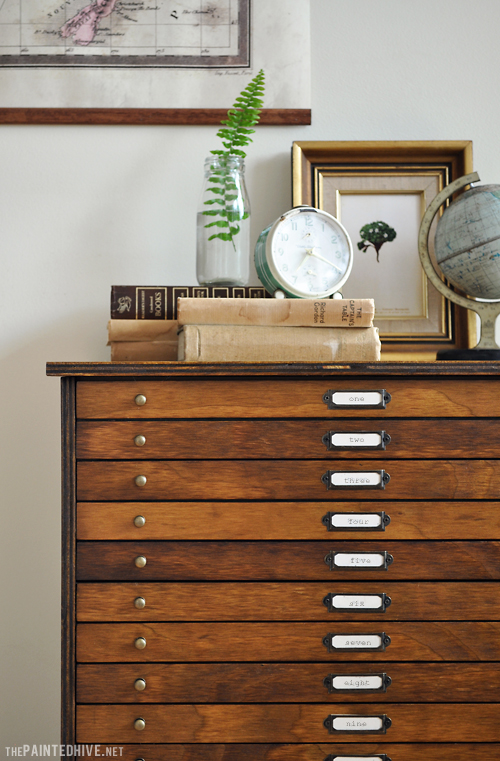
[117, 33]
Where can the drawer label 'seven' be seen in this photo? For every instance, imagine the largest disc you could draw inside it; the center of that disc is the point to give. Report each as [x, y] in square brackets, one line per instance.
[357, 602]
[357, 641]
[335, 723]
[369, 479]
[356, 521]
[359, 560]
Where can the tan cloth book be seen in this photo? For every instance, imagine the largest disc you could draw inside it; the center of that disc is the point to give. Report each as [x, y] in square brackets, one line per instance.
[342, 313]
[219, 343]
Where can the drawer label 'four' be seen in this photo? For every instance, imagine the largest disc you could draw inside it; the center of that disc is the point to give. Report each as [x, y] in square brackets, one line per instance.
[356, 521]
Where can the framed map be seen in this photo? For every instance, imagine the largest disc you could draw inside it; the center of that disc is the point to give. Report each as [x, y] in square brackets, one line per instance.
[169, 57]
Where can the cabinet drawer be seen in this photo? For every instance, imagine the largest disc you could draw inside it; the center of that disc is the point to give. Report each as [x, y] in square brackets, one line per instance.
[288, 683]
[285, 723]
[285, 520]
[278, 641]
[219, 561]
[251, 398]
[288, 601]
[302, 752]
[285, 439]
[281, 479]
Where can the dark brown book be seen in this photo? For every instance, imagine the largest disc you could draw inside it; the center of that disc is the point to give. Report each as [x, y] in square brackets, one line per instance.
[148, 302]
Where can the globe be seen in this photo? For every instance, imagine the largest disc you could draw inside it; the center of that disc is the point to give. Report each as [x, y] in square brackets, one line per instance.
[467, 242]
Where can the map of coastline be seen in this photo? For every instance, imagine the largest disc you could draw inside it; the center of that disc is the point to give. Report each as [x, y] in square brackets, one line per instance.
[198, 33]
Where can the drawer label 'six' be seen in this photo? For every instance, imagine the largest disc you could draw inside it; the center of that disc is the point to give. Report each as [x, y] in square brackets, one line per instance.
[361, 603]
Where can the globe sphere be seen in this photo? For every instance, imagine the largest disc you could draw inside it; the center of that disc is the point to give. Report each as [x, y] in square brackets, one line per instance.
[467, 242]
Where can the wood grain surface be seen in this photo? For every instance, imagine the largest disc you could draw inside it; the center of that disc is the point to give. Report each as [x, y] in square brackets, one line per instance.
[285, 723]
[281, 479]
[303, 751]
[284, 642]
[219, 561]
[286, 601]
[283, 439]
[284, 520]
[286, 683]
[276, 398]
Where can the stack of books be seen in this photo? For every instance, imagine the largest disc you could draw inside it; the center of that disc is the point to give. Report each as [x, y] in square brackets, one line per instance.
[197, 325]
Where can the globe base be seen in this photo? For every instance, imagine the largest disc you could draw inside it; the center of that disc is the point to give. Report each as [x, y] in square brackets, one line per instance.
[469, 355]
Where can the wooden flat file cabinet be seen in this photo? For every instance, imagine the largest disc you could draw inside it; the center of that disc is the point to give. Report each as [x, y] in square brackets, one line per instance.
[282, 562]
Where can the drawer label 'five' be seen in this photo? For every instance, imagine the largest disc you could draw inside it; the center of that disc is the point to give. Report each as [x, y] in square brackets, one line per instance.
[359, 560]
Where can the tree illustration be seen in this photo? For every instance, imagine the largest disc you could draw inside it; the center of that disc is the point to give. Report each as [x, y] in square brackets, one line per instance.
[374, 235]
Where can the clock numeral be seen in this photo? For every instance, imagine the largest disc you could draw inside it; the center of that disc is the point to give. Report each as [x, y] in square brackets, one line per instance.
[308, 221]
[294, 224]
[285, 268]
[334, 238]
[284, 236]
[281, 251]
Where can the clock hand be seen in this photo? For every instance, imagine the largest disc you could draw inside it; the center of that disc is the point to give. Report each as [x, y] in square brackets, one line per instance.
[308, 254]
[318, 256]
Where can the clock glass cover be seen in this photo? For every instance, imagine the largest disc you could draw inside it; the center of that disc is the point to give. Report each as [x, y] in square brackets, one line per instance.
[306, 253]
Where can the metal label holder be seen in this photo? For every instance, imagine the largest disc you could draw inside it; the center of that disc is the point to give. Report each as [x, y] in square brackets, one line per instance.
[387, 559]
[385, 641]
[327, 441]
[371, 757]
[385, 601]
[326, 478]
[327, 521]
[386, 681]
[355, 399]
[356, 719]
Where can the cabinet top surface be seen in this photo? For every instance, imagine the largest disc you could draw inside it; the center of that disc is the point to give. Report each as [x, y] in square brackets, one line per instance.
[277, 369]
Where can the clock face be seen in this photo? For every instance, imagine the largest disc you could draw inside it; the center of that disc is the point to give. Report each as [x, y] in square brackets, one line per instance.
[309, 253]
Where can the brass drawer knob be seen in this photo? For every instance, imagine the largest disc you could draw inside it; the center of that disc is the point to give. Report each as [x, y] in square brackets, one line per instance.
[139, 724]
[140, 603]
[140, 480]
[139, 440]
[140, 685]
[140, 561]
[140, 400]
[140, 643]
[139, 521]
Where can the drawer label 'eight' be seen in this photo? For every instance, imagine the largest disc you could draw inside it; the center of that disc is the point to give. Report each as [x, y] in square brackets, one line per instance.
[361, 642]
[335, 723]
[358, 560]
[370, 479]
[356, 439]
[348, 682]
[349, 399]
[357, 602]
[356, 521]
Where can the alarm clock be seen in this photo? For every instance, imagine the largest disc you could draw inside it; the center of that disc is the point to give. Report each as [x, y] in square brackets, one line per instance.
[304, 254]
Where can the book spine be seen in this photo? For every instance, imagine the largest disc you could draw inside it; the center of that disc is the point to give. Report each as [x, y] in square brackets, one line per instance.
[142, 330]
[143, 351]
[143, 302]
[342, 313]
[219, 343]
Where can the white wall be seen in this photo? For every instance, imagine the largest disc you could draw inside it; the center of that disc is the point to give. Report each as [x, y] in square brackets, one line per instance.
[86, 207]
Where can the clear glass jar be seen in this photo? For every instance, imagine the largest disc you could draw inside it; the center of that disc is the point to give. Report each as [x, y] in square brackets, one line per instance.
[223, 224]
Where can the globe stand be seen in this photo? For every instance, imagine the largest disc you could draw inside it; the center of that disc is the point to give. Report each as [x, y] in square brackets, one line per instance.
[487, 348]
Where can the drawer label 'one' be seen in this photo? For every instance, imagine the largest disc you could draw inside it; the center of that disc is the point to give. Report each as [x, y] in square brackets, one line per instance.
[357, 602]
[356, 521]
[369, 479]
[378, 641]
[335, 723]
[365, 399]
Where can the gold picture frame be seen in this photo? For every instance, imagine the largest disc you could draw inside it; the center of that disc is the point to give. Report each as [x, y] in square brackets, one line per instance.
[356, 181]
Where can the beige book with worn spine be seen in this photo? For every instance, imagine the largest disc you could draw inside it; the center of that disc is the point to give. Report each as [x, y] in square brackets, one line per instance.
[220, 343]
[341, 313]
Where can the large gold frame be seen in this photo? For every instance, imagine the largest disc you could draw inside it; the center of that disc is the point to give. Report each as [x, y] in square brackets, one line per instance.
[323, 170]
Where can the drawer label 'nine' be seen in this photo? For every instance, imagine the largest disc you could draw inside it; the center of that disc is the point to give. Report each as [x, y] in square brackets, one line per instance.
[335, 723]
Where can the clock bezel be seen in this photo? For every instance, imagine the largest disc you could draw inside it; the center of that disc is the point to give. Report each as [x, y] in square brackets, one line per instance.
[276, 277]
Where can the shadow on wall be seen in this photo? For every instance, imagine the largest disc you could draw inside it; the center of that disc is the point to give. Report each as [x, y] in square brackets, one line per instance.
[30, 514]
